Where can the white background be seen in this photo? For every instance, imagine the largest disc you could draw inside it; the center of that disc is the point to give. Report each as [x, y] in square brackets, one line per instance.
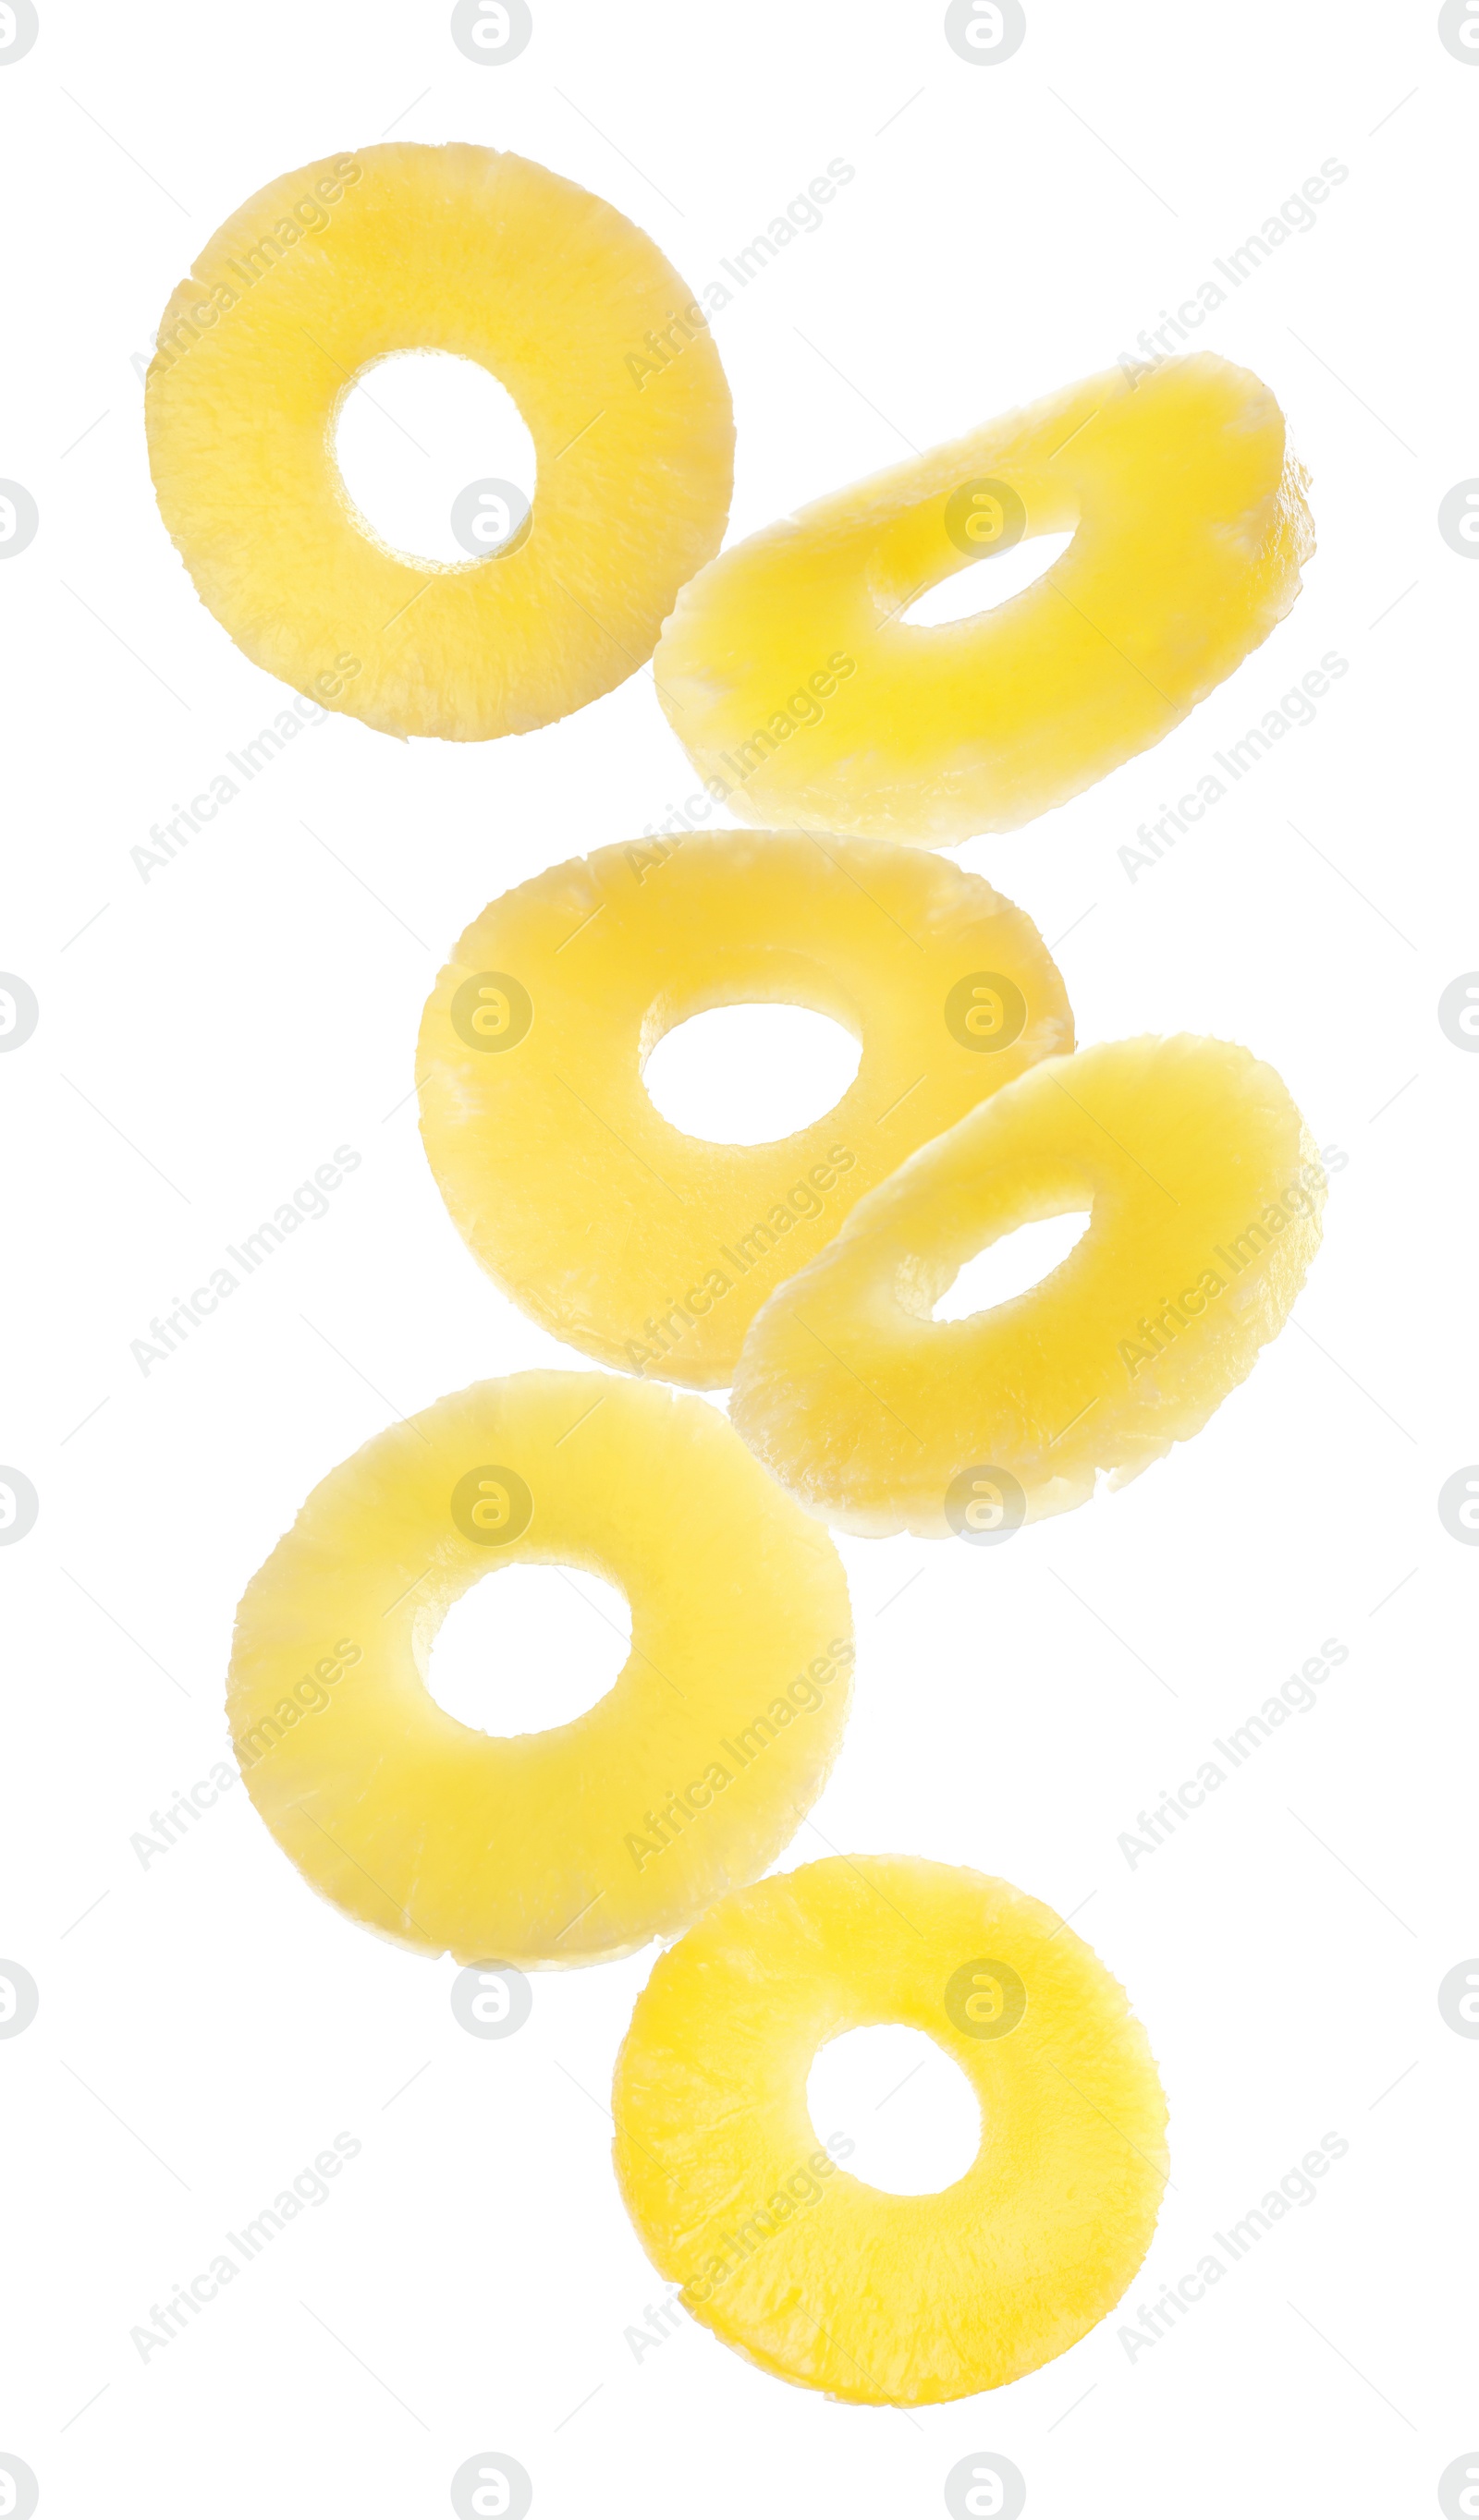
[208, 1038]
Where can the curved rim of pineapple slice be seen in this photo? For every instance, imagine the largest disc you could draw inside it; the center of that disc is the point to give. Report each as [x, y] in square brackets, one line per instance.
[809, 2271]
[581, 1842]
[1204, 1190]
[577, 315]
[794, 679]
[649, 1249]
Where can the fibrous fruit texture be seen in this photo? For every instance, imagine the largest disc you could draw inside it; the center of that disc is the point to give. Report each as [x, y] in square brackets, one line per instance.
[650, 1249]
[798, 687]
[804, 2268]
[485, 255]
[580, 1842]
[1203, 1190]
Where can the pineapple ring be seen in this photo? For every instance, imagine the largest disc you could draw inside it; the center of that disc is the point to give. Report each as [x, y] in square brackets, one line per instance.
[886, 2300]
[650, 1249]
[553, 1848]
[497, 260]
[1205, 1190]
[793, 683]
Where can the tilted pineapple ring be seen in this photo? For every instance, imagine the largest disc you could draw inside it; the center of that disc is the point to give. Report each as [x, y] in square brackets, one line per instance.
[790, 676]
[579, 1843]
[888, 2300]
[650, 1249]
[1204, 1190]
[494, 259]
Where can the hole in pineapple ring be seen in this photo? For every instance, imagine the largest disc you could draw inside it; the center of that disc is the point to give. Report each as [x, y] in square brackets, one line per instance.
[532, 1650]
[991, 579]
[1013, 1265]
[905, 2107]
[747, 1075]
[435, 458]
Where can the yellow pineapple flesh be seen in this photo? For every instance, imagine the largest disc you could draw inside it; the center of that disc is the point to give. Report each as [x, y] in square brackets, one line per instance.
[805, 2269]
[489, 257]
[1204, 1193]
[796, 685]
[581, 1842]
[648, 1248]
